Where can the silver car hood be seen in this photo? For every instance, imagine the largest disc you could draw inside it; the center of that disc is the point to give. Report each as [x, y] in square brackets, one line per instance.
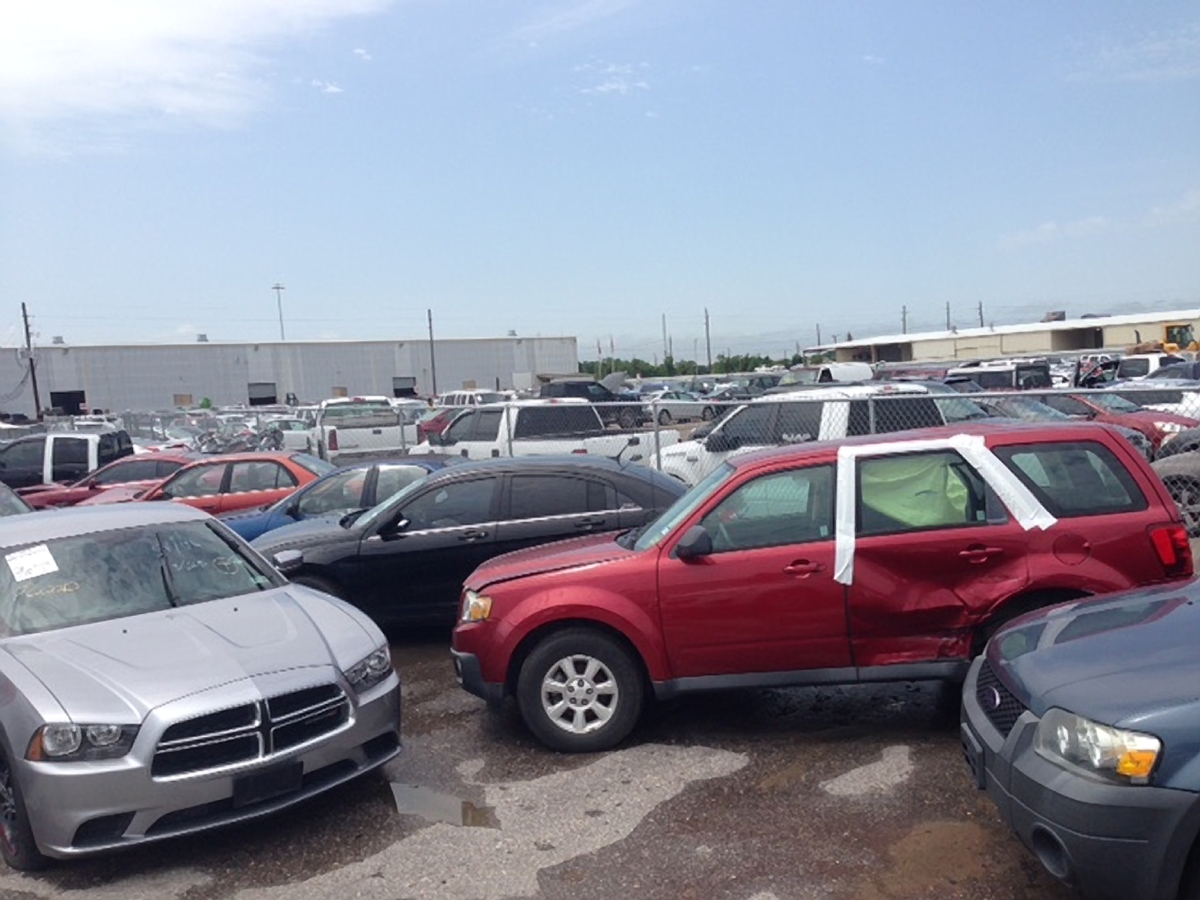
[119, 670]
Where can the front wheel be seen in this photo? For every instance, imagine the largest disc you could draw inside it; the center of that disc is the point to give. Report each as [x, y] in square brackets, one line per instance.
[17, 845]
[580, 691]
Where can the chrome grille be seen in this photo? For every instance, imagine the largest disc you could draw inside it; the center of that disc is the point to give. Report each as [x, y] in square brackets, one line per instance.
[997, 701]
[251, 731]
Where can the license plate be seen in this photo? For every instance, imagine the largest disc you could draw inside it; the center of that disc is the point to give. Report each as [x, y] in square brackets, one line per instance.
[268, 784]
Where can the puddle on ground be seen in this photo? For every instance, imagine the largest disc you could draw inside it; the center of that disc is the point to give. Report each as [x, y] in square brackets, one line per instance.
[414, 800]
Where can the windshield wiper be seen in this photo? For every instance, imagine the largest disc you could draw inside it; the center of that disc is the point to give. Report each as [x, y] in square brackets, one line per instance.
[351, 517]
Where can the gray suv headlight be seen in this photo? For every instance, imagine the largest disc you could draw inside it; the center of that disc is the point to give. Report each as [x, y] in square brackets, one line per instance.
[1127, 757]
[370, 671]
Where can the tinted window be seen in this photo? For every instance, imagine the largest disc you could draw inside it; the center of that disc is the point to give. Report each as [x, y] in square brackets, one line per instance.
[392, 479]
[487, 424]
[1077, 479]
[342, 490]
[918, 491]
[460, 428]
[539, 421]
[536, 496]
[886, 414]
[24, 454]
[134, 470]
[259, 476]
[751, 425]
[69, 452]
[1068, 405]
[799, 422]
[781, 508]
[165, 467]
[451, 505]
[202, 481]
[993, 379]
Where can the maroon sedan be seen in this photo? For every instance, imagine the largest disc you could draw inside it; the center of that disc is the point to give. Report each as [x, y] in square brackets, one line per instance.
[139, 471]
[1112, 409]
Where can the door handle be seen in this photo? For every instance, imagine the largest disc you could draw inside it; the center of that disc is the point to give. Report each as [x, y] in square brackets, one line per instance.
[803, 568]
[980, 554]
[589, 524]
[472, 535]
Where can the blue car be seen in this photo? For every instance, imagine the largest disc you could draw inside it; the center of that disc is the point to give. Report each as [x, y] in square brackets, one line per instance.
[358, 486]
[1082, 722]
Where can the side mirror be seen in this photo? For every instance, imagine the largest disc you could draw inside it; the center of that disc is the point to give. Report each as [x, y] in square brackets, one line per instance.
[633, 441]
[719, 442]
[393, 529]
[288, 561]
[695, 543]
[292, 511]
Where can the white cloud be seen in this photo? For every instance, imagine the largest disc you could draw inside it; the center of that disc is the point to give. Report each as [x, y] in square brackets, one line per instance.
[1185, 209]
[326, 87]
[614, 78]
[81, 72]
[873, 60]
[363, 55]
[560, 18]
[1157, 56]
[1050, 232]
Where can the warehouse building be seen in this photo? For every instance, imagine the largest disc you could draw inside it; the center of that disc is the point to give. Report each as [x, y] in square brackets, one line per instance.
[1038, 338]
[165, 376]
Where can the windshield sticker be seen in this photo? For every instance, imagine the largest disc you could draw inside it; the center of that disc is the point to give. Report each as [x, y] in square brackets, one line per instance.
[31, 562]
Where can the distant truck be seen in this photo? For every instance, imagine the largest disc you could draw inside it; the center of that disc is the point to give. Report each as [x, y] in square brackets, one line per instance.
[354, 428]
[540, 428]
[59, 456]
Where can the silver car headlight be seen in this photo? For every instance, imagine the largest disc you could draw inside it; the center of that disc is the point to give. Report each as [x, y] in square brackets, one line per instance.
[369, 672]
[68, 742]
[1126, 757]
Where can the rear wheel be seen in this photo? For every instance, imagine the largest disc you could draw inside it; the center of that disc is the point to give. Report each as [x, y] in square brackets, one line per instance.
[708, 414]
[1185, 491]
[17, 845]
[580, 691]
[627, 419]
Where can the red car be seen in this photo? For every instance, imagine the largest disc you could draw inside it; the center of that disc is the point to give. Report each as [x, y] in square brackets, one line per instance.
[1110, 408]
[835, 562]
[134, 472]
[231, 481]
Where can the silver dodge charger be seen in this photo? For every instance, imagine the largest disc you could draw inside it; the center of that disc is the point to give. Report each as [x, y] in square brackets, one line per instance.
[158, 678]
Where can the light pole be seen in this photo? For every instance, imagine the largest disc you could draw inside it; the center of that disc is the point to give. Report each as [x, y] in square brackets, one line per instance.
[278, 288]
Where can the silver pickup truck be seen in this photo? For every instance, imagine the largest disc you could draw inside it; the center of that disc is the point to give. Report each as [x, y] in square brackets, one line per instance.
[358, 427]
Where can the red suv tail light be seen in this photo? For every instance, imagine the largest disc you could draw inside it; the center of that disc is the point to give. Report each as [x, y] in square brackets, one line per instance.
[333, 444]
[1174, 552]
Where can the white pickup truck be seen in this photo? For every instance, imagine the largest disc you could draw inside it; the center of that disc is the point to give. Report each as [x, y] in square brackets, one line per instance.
[541, 428]
[59, 456]
[349, 428]
[819, 414]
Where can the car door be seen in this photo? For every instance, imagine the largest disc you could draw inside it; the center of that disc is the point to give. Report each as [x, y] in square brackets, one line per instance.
[934, 549]
[23, 462]
[259, 482]
[413, 564]
[549, 506]
[764, 600]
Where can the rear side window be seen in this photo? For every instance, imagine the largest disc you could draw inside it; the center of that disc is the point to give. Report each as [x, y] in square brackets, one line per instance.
[920, 491]
[487, 424]
[137, 470]
[537, 421]
[799, 422]
[537, 496]
[70, 452]
[752, 424]
[1076, 479]
[885, 414]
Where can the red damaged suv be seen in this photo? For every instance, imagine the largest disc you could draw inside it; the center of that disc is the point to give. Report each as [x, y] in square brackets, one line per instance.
[829, 563]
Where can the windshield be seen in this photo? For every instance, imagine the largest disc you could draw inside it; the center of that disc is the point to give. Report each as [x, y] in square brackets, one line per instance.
[1024, 408]
[315, 465]
[115, 574]
[1113, 403]
[653, 533]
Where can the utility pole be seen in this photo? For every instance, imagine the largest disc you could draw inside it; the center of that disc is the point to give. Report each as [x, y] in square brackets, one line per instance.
[818, 335]
[904, 320]
[947, 315]
[666, 349]
[278, 289]
[37, 400]
[707, 340]
[432, 363]
[980, 313]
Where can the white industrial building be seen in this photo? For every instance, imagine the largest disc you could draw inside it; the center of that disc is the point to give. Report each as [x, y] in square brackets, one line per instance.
[165, 376]
[1035, 338]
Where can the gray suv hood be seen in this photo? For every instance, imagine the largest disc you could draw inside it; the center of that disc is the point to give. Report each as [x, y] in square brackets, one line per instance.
[119, 670]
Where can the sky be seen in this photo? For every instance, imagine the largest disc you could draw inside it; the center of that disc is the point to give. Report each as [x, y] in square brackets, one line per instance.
[589, 167]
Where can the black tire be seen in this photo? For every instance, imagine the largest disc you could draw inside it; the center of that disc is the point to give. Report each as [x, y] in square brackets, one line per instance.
[627, 419]
[664, 417]
[317, 583]
[605, 682]
[17, 845]
[708, 414]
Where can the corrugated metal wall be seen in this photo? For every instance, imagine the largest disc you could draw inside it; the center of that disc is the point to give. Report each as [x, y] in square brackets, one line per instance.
[153, 377]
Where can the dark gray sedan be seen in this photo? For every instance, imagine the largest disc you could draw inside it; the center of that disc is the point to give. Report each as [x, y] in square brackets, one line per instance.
[158, 678]
[406, 559]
